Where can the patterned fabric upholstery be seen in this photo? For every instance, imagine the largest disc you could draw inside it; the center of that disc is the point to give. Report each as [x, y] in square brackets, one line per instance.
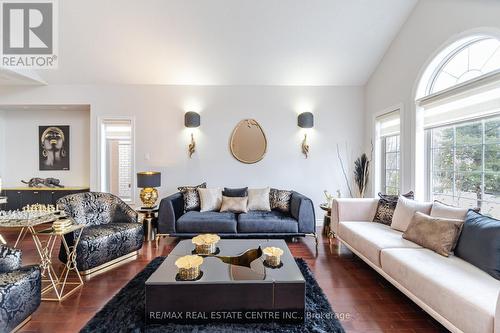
[20, 290]
[10, 259]
[111, 231]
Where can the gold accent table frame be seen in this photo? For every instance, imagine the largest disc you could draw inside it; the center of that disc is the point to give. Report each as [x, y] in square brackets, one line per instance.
[27, 225]
[58, 283]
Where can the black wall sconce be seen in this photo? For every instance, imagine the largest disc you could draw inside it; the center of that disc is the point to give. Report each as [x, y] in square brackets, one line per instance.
[192, 120]
[305, 120]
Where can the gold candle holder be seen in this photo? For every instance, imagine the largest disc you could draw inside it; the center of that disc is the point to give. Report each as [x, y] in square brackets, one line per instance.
[189, 267]
[273, 256]
[205, 243]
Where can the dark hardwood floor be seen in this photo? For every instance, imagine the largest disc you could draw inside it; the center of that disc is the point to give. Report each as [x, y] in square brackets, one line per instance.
[364, 300]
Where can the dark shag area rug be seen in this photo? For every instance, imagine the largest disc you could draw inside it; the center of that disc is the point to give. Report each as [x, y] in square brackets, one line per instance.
[125, 312]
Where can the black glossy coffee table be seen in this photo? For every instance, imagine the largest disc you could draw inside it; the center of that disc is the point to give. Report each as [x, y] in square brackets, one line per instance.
[229, 292]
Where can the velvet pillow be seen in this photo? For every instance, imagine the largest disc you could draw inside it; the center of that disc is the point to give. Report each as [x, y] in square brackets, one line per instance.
[280, 200]
[234, 204]
[440, 209]
[386, 206]
[405, 209]
[258, 199]
[479, 243]
[235, 192]
[437, 234]
[191, 196]
[210, 199]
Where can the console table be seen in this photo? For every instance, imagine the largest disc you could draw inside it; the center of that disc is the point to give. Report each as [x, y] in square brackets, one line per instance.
[18, 197]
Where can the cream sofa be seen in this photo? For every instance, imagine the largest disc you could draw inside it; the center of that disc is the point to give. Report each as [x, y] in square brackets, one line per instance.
[459, 295]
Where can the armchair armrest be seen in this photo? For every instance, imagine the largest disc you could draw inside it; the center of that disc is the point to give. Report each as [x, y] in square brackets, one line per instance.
[302, 209]
[352, 209]
[171, 208]
[10, 259]
[124, 213]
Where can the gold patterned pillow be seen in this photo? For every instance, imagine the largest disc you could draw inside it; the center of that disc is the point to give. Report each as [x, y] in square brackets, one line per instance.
[280, 200]
[191, 196]
[386, 206]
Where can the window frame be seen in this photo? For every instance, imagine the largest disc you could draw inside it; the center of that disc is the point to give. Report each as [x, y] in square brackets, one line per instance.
[449, 57]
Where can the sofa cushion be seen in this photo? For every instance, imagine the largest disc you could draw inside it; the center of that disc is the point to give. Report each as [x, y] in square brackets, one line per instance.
[215, 222]
[405, 209]
[479, 243]
[369, 238]
[267, 222]
[460, 292]
[434, 233]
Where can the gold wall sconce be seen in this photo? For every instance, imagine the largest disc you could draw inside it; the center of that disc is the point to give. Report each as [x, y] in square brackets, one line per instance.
[192, 120]
[305, 120]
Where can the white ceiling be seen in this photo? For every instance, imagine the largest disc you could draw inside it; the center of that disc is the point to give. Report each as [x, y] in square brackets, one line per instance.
[224, 42]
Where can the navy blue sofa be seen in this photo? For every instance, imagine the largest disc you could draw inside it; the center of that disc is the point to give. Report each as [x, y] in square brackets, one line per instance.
[173, 221]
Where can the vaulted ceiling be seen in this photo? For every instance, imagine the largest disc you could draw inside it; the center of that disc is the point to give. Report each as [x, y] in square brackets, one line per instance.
[224, 42]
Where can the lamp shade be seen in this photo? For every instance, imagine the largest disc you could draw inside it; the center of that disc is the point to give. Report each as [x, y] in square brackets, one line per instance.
[148, 179]
[305, 120]
[191, 119]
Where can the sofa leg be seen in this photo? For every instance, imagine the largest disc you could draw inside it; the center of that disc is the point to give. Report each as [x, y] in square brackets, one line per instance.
[315, 235]
[157, 238]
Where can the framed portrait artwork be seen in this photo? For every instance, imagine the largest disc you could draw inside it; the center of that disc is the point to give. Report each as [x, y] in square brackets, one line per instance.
[54, 147]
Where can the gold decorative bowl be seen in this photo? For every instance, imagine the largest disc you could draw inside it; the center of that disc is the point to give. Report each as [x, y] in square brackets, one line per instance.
[189, 267]
[205, 243]
[273, 256]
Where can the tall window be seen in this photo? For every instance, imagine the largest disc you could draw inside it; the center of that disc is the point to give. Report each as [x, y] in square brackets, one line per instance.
[465, 164]
[389, 152]
[117, 158]
[461, 120]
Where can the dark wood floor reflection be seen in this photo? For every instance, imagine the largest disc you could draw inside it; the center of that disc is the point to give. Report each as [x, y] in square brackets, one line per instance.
[362, 298]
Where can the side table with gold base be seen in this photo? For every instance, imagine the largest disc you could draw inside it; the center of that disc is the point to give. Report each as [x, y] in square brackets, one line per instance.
[57, 283]
[149, 221]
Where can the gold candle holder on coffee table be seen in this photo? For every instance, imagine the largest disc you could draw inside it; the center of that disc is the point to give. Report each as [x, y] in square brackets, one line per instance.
[189, 267]
[273, 256]
[205, 244]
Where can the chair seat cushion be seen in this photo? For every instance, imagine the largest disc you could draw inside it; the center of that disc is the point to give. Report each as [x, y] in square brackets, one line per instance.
[267, 222]
[460, 292]
[369, 238]
[102, 243]
[214, 222]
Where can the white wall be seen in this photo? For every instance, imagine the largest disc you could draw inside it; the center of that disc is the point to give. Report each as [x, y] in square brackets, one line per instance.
[431, 26]
[2, 145]
[160, 133]
[20, 155]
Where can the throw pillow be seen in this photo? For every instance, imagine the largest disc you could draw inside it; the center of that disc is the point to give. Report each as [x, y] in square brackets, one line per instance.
[405, 209]
[386, 206]
[280, 200]
[235, 192]
[234, 204]
[440, 209]
[479, 243]
[210, 199]
[258, 199]
[437, 234]
[191, 196]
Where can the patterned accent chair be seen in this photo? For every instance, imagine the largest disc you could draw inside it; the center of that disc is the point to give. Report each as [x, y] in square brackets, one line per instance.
[112, 229]
[20, 289]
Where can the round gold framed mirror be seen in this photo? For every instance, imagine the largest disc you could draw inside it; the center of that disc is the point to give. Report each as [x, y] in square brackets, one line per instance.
[248, 141]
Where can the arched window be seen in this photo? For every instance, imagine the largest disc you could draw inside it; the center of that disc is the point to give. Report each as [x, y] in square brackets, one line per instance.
[460, 118]
[472, 59]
